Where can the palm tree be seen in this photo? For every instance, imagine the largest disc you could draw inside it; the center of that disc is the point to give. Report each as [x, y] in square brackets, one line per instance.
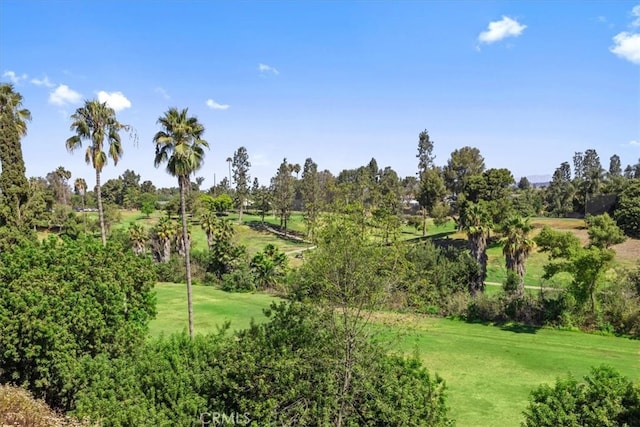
[161, 236]
[517, 247]
[94, 122]
[475, 221]
[229, 160]
[209, 223]
[63, 176]
[181, 146]
[10, 103]
[80, 186]
[138, 237]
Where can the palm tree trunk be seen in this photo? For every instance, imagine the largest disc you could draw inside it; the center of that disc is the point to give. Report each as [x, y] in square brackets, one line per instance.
[187, 257]
[100, 211]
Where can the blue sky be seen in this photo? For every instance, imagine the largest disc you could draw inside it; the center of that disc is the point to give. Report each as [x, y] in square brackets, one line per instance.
[528, 83]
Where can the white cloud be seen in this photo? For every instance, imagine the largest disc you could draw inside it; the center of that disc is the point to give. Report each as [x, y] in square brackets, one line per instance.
[215, 106]
[636, 13]
[627, 46]
[162, 92]
[633, 143]
[42, 82]
[63, 95]
[15, 78]
[498, 30]
[115, 100]
[264, 68]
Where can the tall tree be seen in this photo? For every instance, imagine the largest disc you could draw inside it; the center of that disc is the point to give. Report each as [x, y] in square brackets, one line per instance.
[180, 145]
[431, 187]
[58, 181]
[80, 187]
[578, 165]
[615, 167]
[462, 164]
[475, 221]
[517, 247]
[229, 160]
[593, 175]
[14, 186]
[138, 238]
[241, 177]
[425, 152]
[311, 197]
[283, 192]
[560, 192]
[94, 122]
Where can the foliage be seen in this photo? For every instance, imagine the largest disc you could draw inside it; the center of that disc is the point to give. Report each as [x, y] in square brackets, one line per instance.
[278, 372]
[225, 255]
[603, 231]
[463, 163]
[476, 222]
[627, 213]
[240, 279]
[517, 247]
[147, 202]
[60, 300]
[14, 187]
[604, 398]
[311, 194]
[586, 265]
[241, 177]
[434, 277]
[283, 191]
[94, 122]
[268, 266]
[560, 192]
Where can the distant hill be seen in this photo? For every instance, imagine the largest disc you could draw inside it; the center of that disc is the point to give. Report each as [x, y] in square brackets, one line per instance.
[539, 180]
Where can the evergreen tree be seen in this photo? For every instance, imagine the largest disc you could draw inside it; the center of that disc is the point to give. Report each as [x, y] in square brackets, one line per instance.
[241, 177]
[14, 186]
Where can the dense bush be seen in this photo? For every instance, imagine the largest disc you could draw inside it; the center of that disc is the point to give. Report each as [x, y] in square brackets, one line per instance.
[60, 300]
[279, 373]
[627, 213]
[436, 277]
[604, 398]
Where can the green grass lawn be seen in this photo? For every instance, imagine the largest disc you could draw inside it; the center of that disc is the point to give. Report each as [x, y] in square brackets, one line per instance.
[212, 307]
[489, 370]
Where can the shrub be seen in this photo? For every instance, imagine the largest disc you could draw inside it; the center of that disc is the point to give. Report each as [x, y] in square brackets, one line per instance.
[604, 398]
[239, 280]
[282, 371]
[60, 300]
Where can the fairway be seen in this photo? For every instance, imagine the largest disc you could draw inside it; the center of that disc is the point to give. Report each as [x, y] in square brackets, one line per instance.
[212, 307]
[489, 370]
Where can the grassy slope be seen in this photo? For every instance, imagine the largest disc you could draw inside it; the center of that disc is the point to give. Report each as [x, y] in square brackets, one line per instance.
[212, 308]
[489, 370]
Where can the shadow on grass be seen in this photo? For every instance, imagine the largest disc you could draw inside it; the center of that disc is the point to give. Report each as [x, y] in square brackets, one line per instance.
[290, 235]
[520, 328]
[516, 328]
[436, 238]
